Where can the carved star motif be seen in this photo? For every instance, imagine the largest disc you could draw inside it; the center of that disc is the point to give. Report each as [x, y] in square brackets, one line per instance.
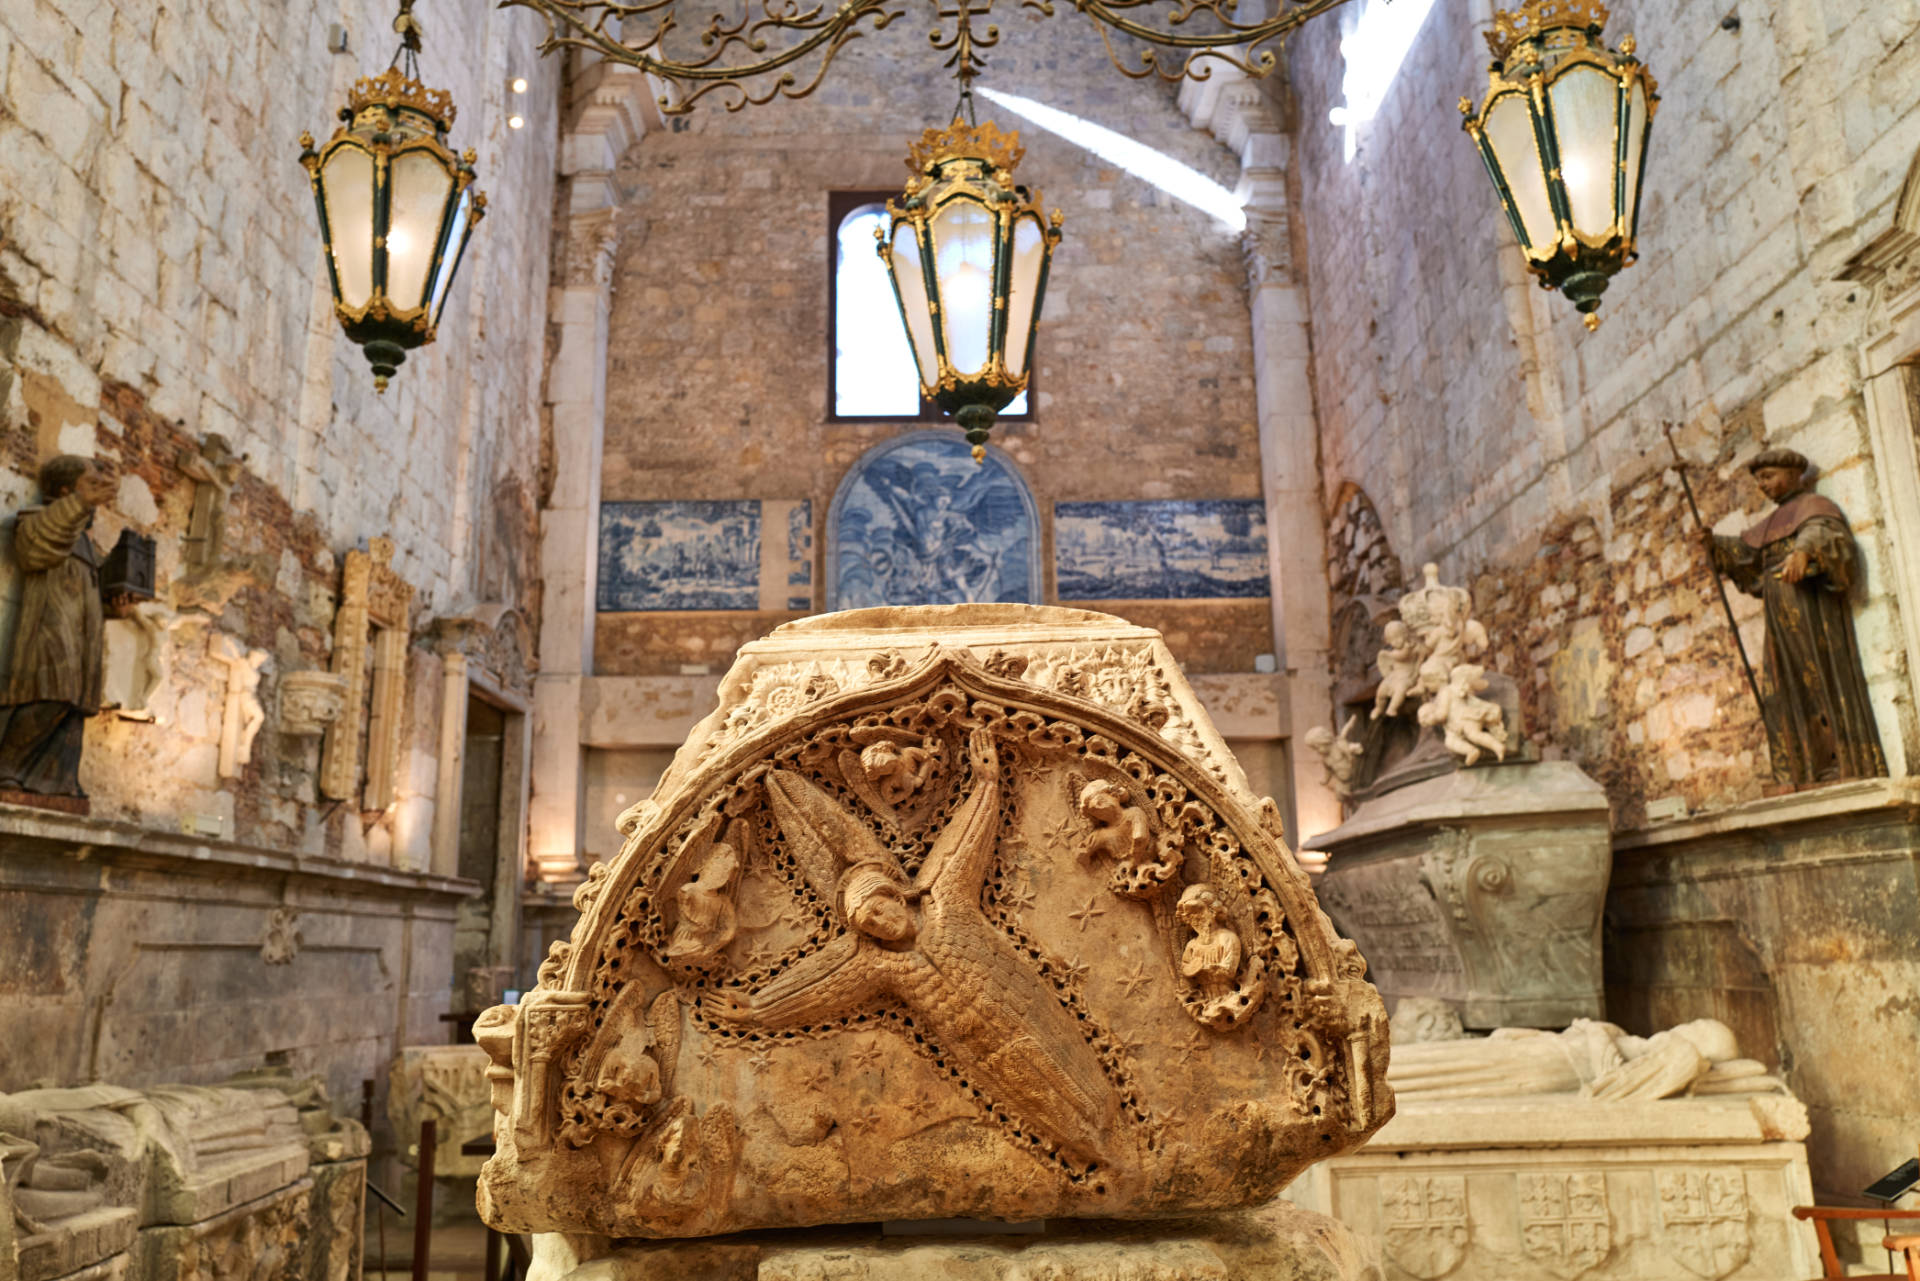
[1061, 831]
[761, 955]
[1194, 1047]
[1021, 898]
[1124, 1044]
[1085, 915]
[707, 1055]
[867, 1118]
[1073, 971]
[917, 1106]
[1138, 981]
[868, 1058]
[817, 1079]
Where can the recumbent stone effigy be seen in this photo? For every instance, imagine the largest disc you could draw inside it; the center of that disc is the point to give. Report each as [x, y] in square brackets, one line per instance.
[945, 912]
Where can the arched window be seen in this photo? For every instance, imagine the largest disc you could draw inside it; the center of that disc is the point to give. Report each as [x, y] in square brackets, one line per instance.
[870, 372]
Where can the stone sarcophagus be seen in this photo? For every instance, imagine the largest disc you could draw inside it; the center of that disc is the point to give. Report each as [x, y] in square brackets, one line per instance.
[948, 912]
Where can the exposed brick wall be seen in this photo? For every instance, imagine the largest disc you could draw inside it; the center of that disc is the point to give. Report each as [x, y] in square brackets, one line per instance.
[717, 377]
[1497, 437]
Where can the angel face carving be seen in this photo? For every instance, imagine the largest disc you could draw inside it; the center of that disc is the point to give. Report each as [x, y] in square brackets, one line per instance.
[876, 905]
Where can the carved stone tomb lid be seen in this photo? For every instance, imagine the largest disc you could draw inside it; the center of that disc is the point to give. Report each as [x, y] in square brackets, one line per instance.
[955, 911]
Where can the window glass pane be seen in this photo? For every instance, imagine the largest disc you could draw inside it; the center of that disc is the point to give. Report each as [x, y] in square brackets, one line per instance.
[1586, 112]
[420, 190]
[963, 264]
[1509, 129]
[348, 179]
[1636, 141]
[873, 371]
[1029, 251]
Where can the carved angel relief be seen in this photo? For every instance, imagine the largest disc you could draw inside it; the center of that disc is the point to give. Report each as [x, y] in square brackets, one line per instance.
[944, 922]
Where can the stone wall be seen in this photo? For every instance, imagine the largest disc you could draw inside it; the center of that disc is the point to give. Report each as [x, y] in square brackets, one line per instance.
[1143, 375]
[1499, 438]
[161, 282]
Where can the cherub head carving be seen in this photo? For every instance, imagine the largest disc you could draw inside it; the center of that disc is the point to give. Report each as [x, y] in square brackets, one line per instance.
[1102, 801]
[1200, 909]
[875, 903]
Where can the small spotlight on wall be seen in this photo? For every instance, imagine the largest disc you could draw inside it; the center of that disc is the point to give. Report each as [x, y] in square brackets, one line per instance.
[518, 84]
[516, 122]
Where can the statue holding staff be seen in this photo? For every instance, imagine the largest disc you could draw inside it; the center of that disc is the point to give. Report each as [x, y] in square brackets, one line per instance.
[1801, 561]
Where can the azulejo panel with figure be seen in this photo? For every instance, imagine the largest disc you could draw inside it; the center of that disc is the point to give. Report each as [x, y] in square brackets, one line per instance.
[917, 522]
[1177, 549]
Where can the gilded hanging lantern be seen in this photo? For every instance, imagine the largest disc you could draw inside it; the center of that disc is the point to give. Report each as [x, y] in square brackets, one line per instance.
[967, 250]
[396, 209]
[1563, 134]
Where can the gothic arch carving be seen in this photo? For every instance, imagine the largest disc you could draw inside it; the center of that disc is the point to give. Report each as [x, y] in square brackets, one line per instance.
[988, 792]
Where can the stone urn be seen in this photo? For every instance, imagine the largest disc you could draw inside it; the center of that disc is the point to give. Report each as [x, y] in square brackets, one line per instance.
[310, 701]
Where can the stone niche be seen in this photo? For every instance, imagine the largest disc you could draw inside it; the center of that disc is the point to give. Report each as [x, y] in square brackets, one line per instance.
[1482, 888]
[947, 912]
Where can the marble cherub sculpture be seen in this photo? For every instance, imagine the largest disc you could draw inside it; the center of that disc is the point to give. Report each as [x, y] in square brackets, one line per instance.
[1399, 664]
[1802, 563]
[1338, 755]
[1468, 723]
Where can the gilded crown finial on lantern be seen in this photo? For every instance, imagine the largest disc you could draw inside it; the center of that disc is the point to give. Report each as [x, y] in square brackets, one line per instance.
[392, 88]
[962, 141]
[1537, 16]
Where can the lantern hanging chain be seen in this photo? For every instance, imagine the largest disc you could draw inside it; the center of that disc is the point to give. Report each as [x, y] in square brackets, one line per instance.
[407, 56]
[966, 61]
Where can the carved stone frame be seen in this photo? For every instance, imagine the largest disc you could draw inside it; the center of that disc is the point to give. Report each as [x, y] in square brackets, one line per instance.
[1890, 373]
[373, 599]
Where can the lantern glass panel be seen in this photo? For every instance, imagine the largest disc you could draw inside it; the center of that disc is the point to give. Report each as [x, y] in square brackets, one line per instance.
[347, 180]
[1636, 144]
[1023, 294]
[1586, 113]
[963, 269]
[418, 201]
[1509, 130]
[456, 242]
[912, 284]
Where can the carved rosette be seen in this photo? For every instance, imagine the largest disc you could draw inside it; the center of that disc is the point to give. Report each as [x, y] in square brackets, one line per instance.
[858, 934]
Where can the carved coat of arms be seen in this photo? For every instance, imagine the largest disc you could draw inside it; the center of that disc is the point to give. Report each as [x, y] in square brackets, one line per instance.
[1424, 1222]
[1703, 1220]
[930, 932]
[1565, 1224]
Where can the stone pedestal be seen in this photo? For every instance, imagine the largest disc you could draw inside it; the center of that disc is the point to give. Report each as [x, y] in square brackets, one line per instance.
[1277, 1242]
[1481, 887]
[1552, 1188]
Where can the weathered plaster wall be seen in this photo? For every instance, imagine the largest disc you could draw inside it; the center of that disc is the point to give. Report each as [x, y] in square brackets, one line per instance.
[1144, 372]
[1498, 438]
[160, 280]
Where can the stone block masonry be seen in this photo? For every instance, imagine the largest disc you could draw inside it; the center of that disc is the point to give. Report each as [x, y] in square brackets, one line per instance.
[1499, 438]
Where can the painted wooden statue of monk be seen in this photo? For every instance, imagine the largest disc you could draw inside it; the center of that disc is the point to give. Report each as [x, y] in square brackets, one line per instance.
[55, 683]
[1801, 561]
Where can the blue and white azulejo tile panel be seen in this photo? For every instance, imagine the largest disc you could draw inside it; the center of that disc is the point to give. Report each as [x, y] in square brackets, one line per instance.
[1177, 549]
[917, 522]
[800, 555]
[680, 554]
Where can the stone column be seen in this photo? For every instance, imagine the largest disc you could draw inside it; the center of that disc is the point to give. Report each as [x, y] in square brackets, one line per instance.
[1237, 112]
[607, 109]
